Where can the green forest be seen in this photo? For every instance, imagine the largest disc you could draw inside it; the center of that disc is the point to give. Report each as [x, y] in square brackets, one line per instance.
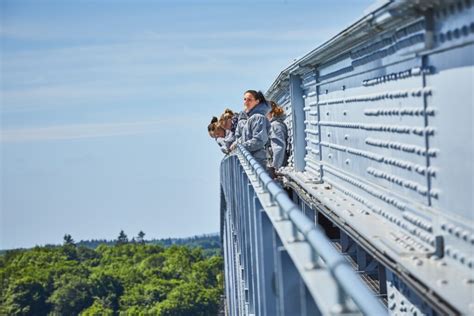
[123, 277]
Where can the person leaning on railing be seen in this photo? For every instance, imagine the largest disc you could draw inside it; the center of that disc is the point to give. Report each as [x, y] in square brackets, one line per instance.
[228, 121]
[255, 131]
[241, 121]
[278, 138]
[218, 133]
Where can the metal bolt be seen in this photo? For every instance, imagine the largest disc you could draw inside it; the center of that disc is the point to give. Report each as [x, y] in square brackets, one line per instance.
[457, 232]
[450, 228]
[455, 254]
[442, 282]
[465, 235]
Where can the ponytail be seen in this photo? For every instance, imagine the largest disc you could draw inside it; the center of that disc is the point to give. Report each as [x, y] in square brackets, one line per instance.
[276, 109]
[261, 97]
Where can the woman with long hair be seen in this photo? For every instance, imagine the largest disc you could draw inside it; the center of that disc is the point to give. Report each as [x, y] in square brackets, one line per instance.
[278, 137]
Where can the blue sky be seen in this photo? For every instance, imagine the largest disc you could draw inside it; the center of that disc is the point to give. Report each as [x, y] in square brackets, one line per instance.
[104, 107]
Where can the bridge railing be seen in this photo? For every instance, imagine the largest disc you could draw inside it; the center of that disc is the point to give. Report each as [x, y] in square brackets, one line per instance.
[277, 261]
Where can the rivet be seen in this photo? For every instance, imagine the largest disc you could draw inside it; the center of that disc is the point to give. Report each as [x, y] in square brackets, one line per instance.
[456, 33]
[457, 232]
[442, 282]
[448, 35]
[455, 254]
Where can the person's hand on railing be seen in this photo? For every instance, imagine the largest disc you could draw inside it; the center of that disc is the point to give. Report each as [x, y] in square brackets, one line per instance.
[272, 173]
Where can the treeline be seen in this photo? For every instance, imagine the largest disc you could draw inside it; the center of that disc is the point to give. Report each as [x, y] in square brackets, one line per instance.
[209, 243]
[127, 278]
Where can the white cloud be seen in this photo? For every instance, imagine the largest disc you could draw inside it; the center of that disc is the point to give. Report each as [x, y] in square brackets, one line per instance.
[98, 130]
[107, 73]
[150, 63]
[38, 32]
[251, 35]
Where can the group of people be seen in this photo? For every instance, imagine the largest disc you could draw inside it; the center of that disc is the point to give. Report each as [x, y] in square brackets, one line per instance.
[259, 128]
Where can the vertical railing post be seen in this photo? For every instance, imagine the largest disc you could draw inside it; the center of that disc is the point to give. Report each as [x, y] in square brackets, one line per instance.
[297, 105]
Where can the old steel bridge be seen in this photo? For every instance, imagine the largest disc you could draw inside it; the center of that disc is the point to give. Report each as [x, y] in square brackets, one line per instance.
[375, 213]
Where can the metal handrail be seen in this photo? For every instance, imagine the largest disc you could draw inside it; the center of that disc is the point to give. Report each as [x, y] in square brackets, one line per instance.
[349, 282]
